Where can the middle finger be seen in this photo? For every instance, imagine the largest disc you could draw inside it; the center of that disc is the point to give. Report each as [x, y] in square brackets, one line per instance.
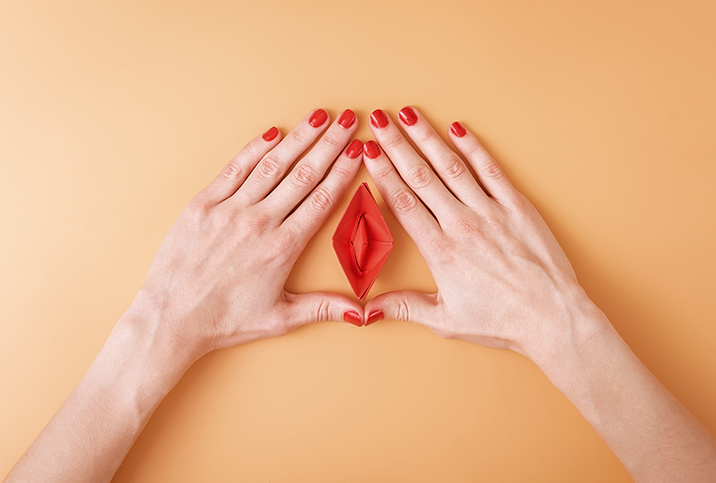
[412, 167]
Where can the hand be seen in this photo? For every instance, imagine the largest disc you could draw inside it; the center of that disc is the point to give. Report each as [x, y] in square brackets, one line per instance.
[218, 278]
[503, 280]
[217, 281]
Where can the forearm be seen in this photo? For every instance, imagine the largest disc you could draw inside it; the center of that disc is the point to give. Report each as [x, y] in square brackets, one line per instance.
[92, 432]
[651, 433]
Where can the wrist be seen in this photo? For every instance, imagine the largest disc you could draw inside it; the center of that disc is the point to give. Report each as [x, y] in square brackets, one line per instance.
[153, 340]
[573, 334]
[154, 316]
[137, 366]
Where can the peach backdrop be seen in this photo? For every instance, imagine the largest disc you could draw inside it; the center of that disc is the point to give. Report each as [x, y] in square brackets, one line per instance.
[114, 114]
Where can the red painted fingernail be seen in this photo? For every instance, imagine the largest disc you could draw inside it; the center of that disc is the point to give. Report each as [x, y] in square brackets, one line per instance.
[374, 317]
[354, 149]
[457, 129]
[347, 118]
[378, 118]
[353, 317]
[371, 149]
[271, 134]
[318, 117]
[408, 116]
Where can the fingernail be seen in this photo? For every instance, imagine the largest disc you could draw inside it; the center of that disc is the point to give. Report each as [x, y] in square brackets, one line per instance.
[457, 129]
[318, 117]
[353, 317]
[408, 116]
[378, 118]
[371, 149]
[347, 118]
[374, 317]
[271, 134]
[354, 149]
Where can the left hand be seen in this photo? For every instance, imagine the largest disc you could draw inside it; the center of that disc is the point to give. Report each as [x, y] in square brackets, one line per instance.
[503, 280]
[218, 278]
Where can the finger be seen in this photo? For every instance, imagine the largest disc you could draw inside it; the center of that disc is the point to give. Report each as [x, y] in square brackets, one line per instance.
[409, 306]
[238, 169]
[412, 215]
[273, 166]
[302, 309]
[310, 170]
[412, 168]
[448, 165]
[488, 171]
[312, 213]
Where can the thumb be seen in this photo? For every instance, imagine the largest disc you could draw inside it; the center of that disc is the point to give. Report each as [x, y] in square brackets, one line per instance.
[310, 307]
[406, 305]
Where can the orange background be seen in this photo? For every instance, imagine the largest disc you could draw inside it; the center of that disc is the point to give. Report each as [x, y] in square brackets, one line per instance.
[114, 114]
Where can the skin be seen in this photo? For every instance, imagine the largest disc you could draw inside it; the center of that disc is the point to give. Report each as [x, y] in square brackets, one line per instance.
[503, 281]
[202, 294]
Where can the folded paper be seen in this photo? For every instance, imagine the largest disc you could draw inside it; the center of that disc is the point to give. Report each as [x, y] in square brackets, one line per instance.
[362, 241]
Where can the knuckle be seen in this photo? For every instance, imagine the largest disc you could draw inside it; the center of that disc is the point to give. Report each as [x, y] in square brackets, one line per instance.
[331, 141]
[519, 204]
[384, 172]
[522, 204]
[476, 149]
[421, 177]
[323, 314]
[426, 136]
[257, 224]
[403, 311]
[453, 167]
[321, 200]
[269, 167]
[250, 150]
[492, 170]
[466, 227]
[298, 136]
[404, 202]
[304, 175]
[393, 141]
[196, 209]
[231, 171]
[441, 249]
[341, 170]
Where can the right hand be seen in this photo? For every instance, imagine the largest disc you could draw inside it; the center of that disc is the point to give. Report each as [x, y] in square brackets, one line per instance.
[218, 279]
[503, 280]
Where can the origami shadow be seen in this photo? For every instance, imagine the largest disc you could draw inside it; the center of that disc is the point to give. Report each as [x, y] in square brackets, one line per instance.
[362, 241]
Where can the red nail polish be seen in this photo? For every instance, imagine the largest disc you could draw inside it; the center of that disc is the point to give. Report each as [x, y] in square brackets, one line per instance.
[378, 118]
[457, 129]
[374, 317]
[271, 134]
[353, 317]
[408, 116]
[354, 149]
[318, 117]
[347, 118]
[371, 149]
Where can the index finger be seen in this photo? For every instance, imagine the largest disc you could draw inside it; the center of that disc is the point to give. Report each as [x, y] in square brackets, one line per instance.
[412, 215]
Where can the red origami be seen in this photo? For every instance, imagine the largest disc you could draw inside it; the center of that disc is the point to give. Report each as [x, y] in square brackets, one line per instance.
[362, 241]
